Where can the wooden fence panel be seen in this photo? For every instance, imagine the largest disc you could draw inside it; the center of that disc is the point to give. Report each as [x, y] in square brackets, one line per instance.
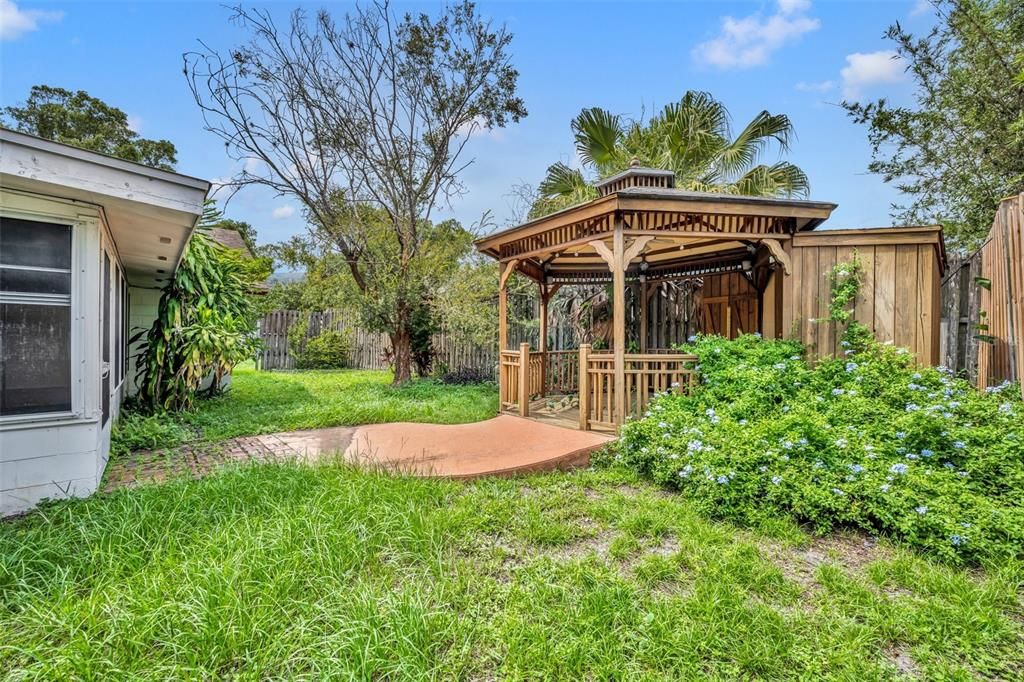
[899, 298]
[1002, 263]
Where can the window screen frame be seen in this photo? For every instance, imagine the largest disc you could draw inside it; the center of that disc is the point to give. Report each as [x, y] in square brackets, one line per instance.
[80, 227]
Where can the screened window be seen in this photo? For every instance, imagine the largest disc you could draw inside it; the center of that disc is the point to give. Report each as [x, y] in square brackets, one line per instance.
[35, 317]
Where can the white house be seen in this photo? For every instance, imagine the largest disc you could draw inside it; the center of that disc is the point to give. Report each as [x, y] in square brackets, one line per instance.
[86, 242]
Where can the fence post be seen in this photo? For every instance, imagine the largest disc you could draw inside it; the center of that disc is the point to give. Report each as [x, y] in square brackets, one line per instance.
[524, 379]
[584, 388]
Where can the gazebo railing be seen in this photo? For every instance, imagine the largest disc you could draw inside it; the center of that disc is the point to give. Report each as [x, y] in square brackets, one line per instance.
[524, 375]
[562, 371]
[644, 376]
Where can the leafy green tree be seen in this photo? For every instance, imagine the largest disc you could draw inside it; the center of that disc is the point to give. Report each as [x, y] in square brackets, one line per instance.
[960, 148]
[78, 119]
[376, 108]
[421, 288]
[691, 137]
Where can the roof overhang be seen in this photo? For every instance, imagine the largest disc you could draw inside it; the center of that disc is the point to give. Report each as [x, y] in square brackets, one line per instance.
[151, 213]
[680, 229]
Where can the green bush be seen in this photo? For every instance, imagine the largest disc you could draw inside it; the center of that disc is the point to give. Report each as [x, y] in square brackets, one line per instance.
[327, 350]
[867, 440]
[137, 431]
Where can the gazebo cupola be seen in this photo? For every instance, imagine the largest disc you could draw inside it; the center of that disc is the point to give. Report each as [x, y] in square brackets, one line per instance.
[636, 176]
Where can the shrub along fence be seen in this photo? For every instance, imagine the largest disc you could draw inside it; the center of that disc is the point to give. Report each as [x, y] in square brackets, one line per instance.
[368, 349]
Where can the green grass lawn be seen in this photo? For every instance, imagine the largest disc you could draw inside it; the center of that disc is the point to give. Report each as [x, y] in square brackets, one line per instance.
[268, 402]
[290, 571]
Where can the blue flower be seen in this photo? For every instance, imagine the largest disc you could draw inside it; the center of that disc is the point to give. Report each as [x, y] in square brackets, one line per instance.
[837, 491]
[722, 480]
[686, 471]
[959, 445]
[927, 453]
[850, 366]
[884, 487]
[856, 468]
[901, 434]
[898, 468]
[776, 480]
[922, 510]
[838, 391]
[779, 365]
[957, 540]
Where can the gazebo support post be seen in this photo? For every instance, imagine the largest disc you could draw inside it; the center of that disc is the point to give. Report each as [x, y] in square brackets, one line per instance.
[542, 341]
[619, 321]
[584, 387]
[506, 271]
[524, 379]
[643, 314]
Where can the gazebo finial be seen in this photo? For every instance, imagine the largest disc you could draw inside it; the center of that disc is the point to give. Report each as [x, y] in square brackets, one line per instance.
[634, 162]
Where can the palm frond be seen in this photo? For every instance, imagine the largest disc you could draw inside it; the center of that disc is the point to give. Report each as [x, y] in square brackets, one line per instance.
[598, 133]
[561, 180]
[750, 145]
[782, 179]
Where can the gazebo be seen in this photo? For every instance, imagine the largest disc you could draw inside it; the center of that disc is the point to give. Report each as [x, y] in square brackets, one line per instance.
[642, 231]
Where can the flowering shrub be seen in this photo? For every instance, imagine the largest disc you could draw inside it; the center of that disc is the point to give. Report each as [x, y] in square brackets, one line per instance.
[865, 440]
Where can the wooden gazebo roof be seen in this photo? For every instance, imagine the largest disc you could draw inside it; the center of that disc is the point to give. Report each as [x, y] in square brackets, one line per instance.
[672, 231]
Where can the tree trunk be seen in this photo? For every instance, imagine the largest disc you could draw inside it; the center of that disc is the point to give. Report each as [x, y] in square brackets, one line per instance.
[401, 344]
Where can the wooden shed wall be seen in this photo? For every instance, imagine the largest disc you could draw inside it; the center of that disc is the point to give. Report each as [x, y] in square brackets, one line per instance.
[899, 298]
[1002, 263]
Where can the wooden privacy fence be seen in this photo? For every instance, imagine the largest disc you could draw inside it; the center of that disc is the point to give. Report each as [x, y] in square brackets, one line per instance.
[1002, 264]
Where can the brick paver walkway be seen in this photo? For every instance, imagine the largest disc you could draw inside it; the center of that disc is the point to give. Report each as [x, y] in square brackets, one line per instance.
[155, 466]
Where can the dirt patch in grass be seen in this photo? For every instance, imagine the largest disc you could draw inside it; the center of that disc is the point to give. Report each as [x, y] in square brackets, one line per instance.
[850, 551]
[899, 656]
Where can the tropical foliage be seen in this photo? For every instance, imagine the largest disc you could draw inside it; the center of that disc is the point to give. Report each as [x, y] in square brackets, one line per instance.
[204, 325]
[960, 148]
[692, 137]
[78, 119]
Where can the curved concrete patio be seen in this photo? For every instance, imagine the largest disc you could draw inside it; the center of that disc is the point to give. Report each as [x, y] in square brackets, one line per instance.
[502, 446]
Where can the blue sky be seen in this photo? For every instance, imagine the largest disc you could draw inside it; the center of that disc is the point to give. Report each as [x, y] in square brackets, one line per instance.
[788, 56]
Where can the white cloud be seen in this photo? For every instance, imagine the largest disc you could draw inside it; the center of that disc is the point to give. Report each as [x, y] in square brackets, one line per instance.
[14, 21]
[793, 6]
[815, 86]
[751, 40]
[920, 7]
[282, 212]
[864, 69]
[134, 123]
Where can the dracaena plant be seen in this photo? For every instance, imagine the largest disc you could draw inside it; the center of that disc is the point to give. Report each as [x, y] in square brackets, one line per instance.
[204, 326]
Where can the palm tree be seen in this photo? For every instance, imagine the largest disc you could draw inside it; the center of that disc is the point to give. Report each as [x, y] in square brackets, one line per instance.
[691, 137]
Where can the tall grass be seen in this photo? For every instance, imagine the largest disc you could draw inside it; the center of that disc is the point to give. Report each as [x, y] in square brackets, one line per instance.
[287, 571]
